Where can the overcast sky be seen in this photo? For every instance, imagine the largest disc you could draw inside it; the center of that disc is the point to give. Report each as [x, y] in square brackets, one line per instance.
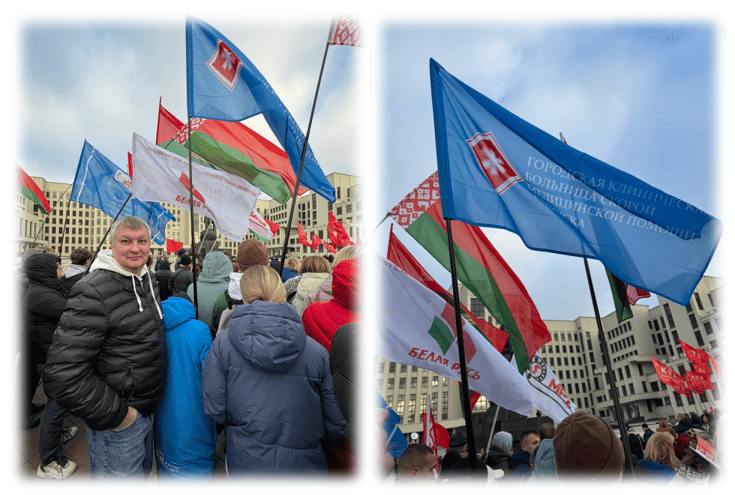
[101, 80]
[641, 96]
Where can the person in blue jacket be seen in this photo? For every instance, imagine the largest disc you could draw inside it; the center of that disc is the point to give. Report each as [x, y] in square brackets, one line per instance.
[185, 436]
[270, 384]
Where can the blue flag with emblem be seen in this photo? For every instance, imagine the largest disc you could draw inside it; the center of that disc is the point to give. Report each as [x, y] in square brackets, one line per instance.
[222, 84]
[497, 170]
[100, 184]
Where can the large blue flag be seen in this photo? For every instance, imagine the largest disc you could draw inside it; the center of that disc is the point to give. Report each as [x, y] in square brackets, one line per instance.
[222, 84]
[100, 184]
[497, 170]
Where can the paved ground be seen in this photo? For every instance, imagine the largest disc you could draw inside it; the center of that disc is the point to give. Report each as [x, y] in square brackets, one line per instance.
[76, 450]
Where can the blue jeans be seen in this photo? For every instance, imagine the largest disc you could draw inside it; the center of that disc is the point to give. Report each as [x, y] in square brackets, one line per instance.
[122, 454]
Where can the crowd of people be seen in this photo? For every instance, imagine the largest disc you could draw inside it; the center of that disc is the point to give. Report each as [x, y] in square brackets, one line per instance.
[582, 447]
[264, 357]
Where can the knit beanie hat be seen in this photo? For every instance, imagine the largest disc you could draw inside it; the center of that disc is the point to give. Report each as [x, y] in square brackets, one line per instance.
[185, 260]
[251, 252]
[585, 445]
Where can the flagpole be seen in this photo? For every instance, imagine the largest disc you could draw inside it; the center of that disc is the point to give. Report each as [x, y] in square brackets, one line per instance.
[66, 222]
[492, 429]
[301, 164]
[106, 233]
[48, 215]
[462, 363]
[610, 373]
[380, 223]
[191, 214]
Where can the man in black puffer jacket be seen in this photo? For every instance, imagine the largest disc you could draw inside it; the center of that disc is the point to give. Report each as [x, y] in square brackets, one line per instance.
[107, 362]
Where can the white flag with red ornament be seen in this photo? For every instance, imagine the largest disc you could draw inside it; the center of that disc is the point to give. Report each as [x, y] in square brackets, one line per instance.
[346, 31]
[417, 327]
[164, 177]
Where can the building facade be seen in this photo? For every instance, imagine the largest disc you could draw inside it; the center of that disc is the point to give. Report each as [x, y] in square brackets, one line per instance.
[71, 225]
[575, 355]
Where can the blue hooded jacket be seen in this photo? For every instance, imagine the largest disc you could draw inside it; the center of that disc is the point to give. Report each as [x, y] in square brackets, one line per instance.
[270, 385]
[185, 436]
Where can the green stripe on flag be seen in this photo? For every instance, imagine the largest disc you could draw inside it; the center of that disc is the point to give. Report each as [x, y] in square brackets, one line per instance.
[474, 276]
[440, 332]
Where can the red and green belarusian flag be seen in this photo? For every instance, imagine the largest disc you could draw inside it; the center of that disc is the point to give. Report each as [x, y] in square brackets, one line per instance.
[30, 190]
[480, 268]
[233, 148]
[400, 256]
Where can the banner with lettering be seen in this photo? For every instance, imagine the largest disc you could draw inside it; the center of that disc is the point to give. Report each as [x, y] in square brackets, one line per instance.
[417, 327]
[547, 391]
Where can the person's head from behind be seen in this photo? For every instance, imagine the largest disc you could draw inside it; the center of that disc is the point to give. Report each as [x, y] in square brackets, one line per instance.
[130, 240]
[458, 442]
[529, 440]
[546, 430]
[262, 283]
[315, 264]
[503, 441]
[416, 463]
[660, 449]
[586, 447]
[81, 256]
[292, 263]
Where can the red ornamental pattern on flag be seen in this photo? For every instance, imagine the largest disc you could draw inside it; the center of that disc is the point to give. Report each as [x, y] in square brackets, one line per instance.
[670, 377]
[225, 65]
[697, 357]
[346, 31]
[417, 201]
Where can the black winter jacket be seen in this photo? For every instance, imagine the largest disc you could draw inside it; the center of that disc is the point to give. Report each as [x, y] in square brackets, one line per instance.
[109, 351]
[43, 303]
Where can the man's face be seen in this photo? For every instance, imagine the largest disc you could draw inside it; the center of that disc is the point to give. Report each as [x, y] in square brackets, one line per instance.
[530, 443]
[130, 249]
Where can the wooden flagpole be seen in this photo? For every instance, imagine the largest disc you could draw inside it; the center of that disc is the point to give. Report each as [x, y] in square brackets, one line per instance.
[462, 362]
[295, 196]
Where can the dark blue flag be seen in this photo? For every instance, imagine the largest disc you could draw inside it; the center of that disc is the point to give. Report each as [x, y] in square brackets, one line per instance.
[100, 184]
[497, 170]
[222, 84]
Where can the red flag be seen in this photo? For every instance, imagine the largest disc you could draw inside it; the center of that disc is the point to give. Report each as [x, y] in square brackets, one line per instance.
[130, 165]
[698, 382]
[173, 246]
[273, 226]
[329, 247]
[337, 232]
[315, 242]
[302, 236]
[434, 434]
[168, 125]
[671, 378]
[402, 258]
[697, 357]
